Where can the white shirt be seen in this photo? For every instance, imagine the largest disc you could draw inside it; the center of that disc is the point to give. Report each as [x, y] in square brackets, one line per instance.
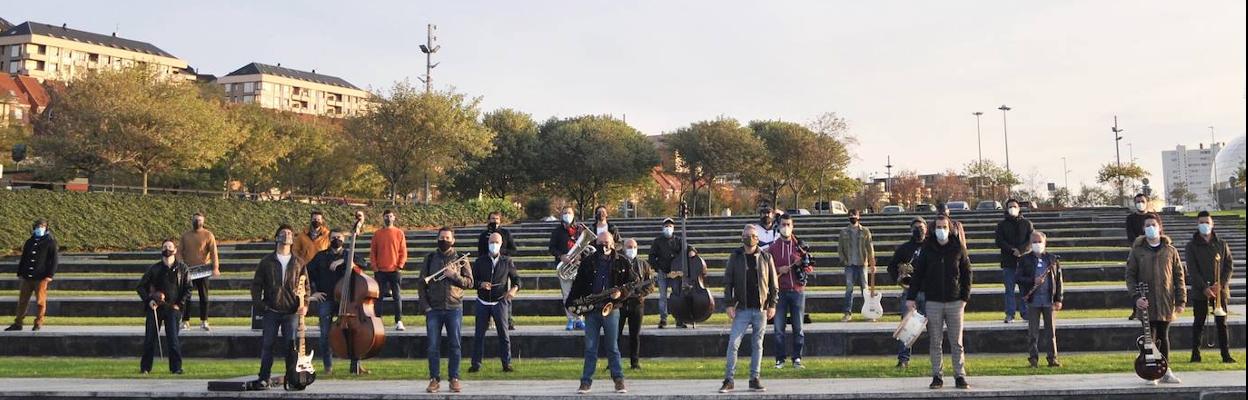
[284, 260]
[493, 263]
[766, 236]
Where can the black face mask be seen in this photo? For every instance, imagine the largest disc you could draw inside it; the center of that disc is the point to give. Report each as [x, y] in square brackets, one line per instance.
[916, 234]
[600, 217]
[315, 224]
[765, 220]
[603, 248]
[335, 244]
[196, 224]
[444, 245]
[166, 253]
[492, 226]
[853, 221]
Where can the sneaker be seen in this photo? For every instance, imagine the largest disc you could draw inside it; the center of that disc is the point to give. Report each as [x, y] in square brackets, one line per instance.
[902, 364]
[757, 386]
[511, 326]
[434, 386]
[727, 386]
[14, 327]
[1226, 358]
[142, 372]
[1033, 362]
[473, 369]
[847, 317]
[204, 326]
[1054, 363]
[1007, 320]
[662, 323]
[571, 325]
[36, 327]
[508, 368]
[398, 326]
[1195, 356]
[937, 383]
[1151, 382]
[797, 363]
[681, 325]
[584, 389]
[456, 387]
[960, 383]
[1171, 378]
[619, 386]
[178, 372]
[579, 325]
[635, 365]
[186, 325]
[779, 364]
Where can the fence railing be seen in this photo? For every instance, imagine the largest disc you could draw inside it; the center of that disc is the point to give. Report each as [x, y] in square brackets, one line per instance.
[239, 195]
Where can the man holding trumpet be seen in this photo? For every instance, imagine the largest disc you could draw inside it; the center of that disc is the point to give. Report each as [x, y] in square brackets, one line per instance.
[1210, 265]
[443, 279]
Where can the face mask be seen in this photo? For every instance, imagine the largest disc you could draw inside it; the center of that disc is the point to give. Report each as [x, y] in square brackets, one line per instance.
[1037, 248]
[1013, 211]
[765, 220]
[916, 234]
[600, 217]
[492, 226]
[196, 224]
[604, 248]
[567, 218]
[1151, 232]
[1140, 205]
[749, 242]
[444, 245]
[166, 253]
[335, 243]
[631, 253]
[40, 231]
[494, 247]
[1204, 228]
[283, 239]
[853, 221]
[786, 231]
[316, 224]
[942, 235]
[668, 231]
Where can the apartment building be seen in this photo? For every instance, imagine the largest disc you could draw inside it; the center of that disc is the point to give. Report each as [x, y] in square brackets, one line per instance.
[280, 88]
[1194, 168]
[59, 53]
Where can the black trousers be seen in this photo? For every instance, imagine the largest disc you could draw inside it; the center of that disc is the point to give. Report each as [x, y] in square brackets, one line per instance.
[631, 314]
[163, 318]
[389, 286]
[1200, 310]
[1161, 336]
[201, 286]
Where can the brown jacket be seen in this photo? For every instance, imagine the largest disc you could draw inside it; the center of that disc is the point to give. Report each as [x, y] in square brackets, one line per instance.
[734, 280]
[1203, 259]
[305, 247]
[1163, 271]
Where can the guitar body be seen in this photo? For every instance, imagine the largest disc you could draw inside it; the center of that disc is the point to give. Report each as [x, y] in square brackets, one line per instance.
[1149, 365]
[305, 372]
[872, 308]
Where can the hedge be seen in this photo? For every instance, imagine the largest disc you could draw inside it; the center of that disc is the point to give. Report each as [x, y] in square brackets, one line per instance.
[112, 221]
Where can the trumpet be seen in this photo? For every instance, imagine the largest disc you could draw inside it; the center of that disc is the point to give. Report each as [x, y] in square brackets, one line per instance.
[458, 263]
[582, 248]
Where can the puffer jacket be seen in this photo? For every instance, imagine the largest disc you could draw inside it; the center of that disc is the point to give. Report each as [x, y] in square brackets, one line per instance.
[941, 272]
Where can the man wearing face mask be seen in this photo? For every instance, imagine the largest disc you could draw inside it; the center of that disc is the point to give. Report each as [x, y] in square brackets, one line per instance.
[1040, 274]
[273, 294]
[442, 301]
[602, 225]
[388, 254]
[955, 227]
[563, 238]
[791, 303]
[604, 272]
[312, 241]
[766, 229]
[632, 310]
[942, 273]
[905, 254]
[198, 246]
[497, 282]
[494, 224]
[35, 268]
[1013, 237]
[1135, 220]
[324, 272]
[664, 255]
[1211, 265]
[1153, 260]
[164, 291]
[750, 296]
[857, 251]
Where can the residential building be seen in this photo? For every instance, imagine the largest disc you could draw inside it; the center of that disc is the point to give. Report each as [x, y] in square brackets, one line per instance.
[47, 52]
[1193, 167]
[20, 98]
[279, 88]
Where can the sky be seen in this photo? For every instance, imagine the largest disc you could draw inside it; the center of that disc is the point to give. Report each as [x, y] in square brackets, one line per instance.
[906, 75]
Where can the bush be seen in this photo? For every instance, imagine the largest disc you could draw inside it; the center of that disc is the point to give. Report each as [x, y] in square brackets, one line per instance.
[111, 221]
[537, 208]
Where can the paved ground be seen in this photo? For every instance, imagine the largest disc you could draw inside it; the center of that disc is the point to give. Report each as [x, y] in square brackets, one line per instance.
[1230, 384]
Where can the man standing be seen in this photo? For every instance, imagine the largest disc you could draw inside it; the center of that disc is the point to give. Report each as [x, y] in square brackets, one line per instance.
[198, 246]
[164, 290]
[942, 273]
[601, 225]
[273, 292]
[563, 238]
[35, 269]
[750, 292]
[1013, 237]
[1135, 220]
[324, 272]
[497, 282]
[857, 251]
[388, 254]
[766, 228]
[664, 253]
[314, 240]
[605, 272]
[1211, 266]
[1153, 260]
[955, 227]
[903, 259]
[442, 301]
[786, 253]
[1040, 275]
[494, 225]
[633, 308]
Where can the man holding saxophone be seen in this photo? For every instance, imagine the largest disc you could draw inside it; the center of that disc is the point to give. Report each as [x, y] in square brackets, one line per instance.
[603, 275]
[443, 278]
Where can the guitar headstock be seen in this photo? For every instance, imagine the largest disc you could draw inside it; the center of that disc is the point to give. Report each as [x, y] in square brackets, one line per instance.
[359, 222]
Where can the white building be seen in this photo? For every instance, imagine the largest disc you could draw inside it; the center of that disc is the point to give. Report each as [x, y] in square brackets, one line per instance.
[1193, 167]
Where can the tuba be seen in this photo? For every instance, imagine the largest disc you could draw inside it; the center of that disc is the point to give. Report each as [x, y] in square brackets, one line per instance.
[583, 248]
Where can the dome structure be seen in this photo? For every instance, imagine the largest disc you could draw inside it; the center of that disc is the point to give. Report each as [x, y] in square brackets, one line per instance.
[1225, 168]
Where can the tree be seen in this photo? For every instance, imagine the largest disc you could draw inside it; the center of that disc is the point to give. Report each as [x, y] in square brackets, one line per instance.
[1061, 198]
[252, 159]
[1093, 196]
[412, 133]
[12, 132]
[1179, 195]
[994, 180]
[133, 118]
[583, 156]
[949, 186]
[798, 159]
[508, 169]
[906, 188]
[1239, 174]
[705, 150]
[1121, 176]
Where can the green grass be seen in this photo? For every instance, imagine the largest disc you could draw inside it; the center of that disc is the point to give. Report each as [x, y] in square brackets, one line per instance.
[558, 321]
[710, 369]
[1223, 213]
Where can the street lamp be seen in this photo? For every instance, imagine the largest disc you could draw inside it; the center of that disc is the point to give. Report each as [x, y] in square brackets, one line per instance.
[1117, 138]
[1006, 131]
[979, 137]
[1065, 174]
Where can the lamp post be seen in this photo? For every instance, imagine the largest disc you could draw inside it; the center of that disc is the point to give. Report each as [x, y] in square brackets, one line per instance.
[979, 138]
[1006, 132]
[1118, 154]
[429, 48]
[1065, 174]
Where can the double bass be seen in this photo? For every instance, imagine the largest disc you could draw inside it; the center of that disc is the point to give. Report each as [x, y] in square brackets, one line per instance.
[695, 303]
[357, 332]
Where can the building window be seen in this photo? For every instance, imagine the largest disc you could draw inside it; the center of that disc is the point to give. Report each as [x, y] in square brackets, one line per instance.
[41, 49]
[15, 50]
[38, 65]
[249, 99]
[13, 67]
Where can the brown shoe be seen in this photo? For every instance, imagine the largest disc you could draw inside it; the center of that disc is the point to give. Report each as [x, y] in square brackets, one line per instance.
[619, 386]
[455, 386]
[433, 386]
[584, 389]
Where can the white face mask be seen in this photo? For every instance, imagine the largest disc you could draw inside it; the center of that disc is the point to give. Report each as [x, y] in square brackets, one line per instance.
[1204, 228]
[567, 218]
[1151, 232]
[1037, 248]
[786, 231]
[942, 235]
[668, 231]
[631, 253]
[1140, 205]
[494, 247]
[1013, 211]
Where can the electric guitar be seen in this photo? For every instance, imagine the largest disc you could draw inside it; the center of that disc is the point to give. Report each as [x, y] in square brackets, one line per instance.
[1150, 364]
[305, 372]
[872, 309]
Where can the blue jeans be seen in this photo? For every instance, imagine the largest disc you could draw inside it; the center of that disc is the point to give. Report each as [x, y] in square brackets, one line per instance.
[325, 311]
[792, 303]
[746, 318]
[608, 326]
[920, 306]
[484, 313]
[1012, 304]
[273, 322]
[170, 319]
[435, 322]
[664, 285]
[853, 277]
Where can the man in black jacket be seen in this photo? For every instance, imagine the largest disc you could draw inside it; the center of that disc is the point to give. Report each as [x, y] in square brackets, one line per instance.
[1013, 237]
[494, 225]
[633, 309]
[605, 272]
[497, 282]
[324, 272]
[664, 251]
[164, 290]
[904, 255]
[942, 272]
[1135, 220]
[273, 294]
[1210, 266]
[35, 269]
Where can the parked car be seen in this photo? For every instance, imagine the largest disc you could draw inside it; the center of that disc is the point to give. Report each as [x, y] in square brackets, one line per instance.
[893, 209]
[799, 211]
[1172, 210]
[924, 208]
[1026, 205]
[988, 205]
[829, 207]
[958, 206]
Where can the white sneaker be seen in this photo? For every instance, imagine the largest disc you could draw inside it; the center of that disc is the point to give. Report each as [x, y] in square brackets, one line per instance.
[1170, 378]
[204, 325]
[779, 364]
[1151, 382]
[186, 325]
[398, 326]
